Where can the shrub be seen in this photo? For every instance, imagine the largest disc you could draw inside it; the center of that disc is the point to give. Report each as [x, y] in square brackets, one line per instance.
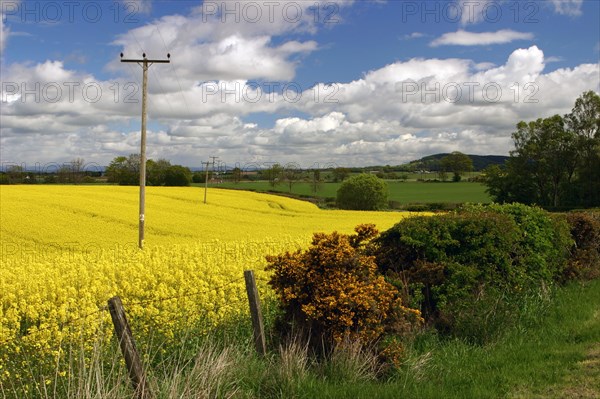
[446, 257]
[464, 268]
[544, 240]
[585, 259]
[363, 192]
[178, 175]
[333, 292]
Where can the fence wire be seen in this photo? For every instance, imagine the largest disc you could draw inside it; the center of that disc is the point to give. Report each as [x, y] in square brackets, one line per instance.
[125, 304]
[151, 301]
[61, 325]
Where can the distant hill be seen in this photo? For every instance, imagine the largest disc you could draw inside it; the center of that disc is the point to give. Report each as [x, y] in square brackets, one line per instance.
[480, 162]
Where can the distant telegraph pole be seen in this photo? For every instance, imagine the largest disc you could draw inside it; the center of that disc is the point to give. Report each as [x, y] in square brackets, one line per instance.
[213, 163]
[145, 64]
[205, 180]
[206, 177]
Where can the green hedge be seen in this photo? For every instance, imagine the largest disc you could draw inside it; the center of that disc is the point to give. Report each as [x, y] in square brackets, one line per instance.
[464, 267]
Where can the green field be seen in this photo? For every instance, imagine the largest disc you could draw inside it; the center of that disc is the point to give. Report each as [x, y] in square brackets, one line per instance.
[402, 192]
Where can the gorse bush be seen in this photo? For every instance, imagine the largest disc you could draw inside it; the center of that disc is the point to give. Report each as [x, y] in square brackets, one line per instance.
[462, 269]
[333, 292]
[585, 260]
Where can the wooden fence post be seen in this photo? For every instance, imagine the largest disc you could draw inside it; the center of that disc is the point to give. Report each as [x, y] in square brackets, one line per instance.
[127, 343]
[256, 313]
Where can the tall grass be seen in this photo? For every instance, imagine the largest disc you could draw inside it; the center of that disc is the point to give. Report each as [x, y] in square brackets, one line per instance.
[544, 351]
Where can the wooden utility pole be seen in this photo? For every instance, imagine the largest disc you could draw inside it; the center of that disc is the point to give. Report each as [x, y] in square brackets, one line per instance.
[145, 64]
[205, 180]
[206, 177]
[213, 165]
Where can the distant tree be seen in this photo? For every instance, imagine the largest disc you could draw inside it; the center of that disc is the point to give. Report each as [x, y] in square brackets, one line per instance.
[156, 172]
[236, 175]
[177, 175]
[456, 163]
[316, 182]
[363, 192]
[71, 172]
[506, 184]
[63, 174]
[340, 174]
[584, 122]
[15, 174]
[273, 174]
[124, 171]
[75, 170]
[550, 155]
[199, 176]
[539, 167]
[556, 161]
[78, 169]
[442, 174]
[49, 179]
[291, 174]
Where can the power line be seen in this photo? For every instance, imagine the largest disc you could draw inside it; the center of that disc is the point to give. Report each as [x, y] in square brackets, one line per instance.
[174, 72]
[163, 91]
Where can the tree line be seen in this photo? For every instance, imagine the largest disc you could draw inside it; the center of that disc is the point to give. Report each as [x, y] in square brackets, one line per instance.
[556, 160]
[74, 172]
[125, 171]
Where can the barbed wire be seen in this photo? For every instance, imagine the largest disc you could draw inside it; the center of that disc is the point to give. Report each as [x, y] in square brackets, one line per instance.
[150, 301]
[125, 303]
[60, 325]
[31, 352]
[263, 279]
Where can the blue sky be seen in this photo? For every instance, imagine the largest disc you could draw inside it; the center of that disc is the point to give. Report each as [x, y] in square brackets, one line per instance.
[349, 82]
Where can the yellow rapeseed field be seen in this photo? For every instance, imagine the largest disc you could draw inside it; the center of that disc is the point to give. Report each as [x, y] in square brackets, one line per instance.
[65, 250]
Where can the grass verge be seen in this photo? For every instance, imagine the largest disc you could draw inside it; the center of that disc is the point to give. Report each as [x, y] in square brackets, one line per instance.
[552, 350]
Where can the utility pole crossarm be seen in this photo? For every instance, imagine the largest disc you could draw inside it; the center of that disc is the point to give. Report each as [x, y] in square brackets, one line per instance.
[148, 61]
[163, 61]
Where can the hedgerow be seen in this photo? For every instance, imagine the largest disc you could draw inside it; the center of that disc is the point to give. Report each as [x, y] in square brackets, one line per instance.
[333, 292]
[464, 269]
